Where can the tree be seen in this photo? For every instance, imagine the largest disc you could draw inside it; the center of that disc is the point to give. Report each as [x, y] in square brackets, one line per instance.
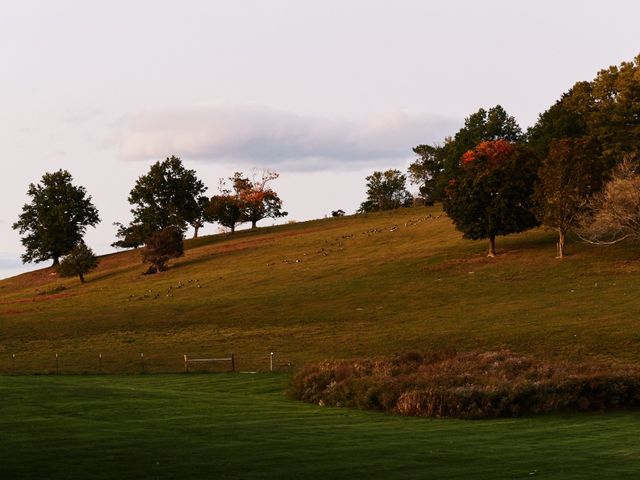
[162, 246]
[130, 236]
[438, 164]
[386, 191]
[426, 170]
[259, 200]
[491, 195]
[226, 210]
[168, 195]
[202, 216]
[614, 213]
[56, 219]
[80, 261]
[569, 175]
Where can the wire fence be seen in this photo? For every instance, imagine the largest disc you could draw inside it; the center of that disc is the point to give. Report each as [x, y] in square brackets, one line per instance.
[141, 362]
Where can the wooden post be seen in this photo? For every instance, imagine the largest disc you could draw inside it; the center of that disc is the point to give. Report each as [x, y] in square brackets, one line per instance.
[100, 362]
[13, 356]
[186, 364]
[57, 365]
[142, 361]
[271, 363]
[233, 363]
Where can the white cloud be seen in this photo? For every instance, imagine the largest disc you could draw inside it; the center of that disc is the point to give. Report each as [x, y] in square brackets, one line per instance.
[262, 136]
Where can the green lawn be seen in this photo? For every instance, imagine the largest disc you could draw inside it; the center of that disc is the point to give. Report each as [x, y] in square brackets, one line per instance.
[227, 426]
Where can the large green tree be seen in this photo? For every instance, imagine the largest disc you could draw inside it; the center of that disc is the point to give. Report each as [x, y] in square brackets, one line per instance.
[56, 218]
[168, 195]
[491, 194]
[386, 191]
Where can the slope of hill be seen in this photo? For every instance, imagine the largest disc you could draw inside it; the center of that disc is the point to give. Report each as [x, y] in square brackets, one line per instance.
[332, 288]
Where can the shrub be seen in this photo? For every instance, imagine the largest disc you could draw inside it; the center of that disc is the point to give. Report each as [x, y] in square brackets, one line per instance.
[468, 385]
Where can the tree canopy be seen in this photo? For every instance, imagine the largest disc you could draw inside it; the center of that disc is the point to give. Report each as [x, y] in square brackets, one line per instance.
[168, 195]
[386, 191]
[161, 246]
[56, 218]
[259, 200]
[80, 261]
[491, 194]
[571, 172]
[437, 164]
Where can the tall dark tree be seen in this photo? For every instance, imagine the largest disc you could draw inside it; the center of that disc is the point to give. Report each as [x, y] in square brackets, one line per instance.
[570, 174]
[168, 195]
[386, 191]
[426, 170]
[226, 210]
[491, 195]
[56, 218]
[80, 261]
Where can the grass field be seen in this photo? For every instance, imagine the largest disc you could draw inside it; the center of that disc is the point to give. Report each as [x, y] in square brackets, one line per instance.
[331, 288]
[242, 426]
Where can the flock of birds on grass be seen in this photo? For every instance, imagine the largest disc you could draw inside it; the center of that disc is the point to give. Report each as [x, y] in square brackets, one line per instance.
[330, 246]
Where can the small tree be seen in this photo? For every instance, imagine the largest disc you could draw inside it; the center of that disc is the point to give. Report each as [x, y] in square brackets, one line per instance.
[80, 261]
[491, 195]
[569, 175]
[56, 218]
[226, 210]
[386, 191]
[614, 213]
[162, 246]
[259, 200]
[202, 216]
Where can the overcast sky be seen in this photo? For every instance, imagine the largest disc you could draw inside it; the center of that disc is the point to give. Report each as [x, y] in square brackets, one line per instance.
[324, 92]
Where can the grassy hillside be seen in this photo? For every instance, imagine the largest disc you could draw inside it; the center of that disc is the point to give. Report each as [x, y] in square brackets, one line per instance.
[332, 288]
[241, 426]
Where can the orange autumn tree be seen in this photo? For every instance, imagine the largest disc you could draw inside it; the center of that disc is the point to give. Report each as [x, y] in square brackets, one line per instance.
[491, 194]
[259, 200]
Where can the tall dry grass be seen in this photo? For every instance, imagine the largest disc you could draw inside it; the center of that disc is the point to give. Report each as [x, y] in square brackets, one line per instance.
[468, 385]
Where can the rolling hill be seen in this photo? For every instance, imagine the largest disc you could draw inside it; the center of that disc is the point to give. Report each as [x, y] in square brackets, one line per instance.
[331, 288]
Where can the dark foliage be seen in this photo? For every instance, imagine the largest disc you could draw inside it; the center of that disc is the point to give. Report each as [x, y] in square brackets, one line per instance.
[386, 191]
[56, 218]
[491, 194]
[80, 261]
[163, 246]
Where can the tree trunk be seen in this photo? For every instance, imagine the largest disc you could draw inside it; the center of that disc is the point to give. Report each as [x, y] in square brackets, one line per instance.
[56, 261]
[253, 223]
[195, 231]
[233, 228]
[492, 246]
[81, 278]
[561, 241]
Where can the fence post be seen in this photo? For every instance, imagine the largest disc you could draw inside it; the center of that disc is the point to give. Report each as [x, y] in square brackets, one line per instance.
[186, 364]
[271, 362]
[233, 363]
[57, 365]
[100, 362]
[142, 361]
[13, 362]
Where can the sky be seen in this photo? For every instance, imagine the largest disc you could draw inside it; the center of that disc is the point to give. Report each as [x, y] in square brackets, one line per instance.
[323, 92]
